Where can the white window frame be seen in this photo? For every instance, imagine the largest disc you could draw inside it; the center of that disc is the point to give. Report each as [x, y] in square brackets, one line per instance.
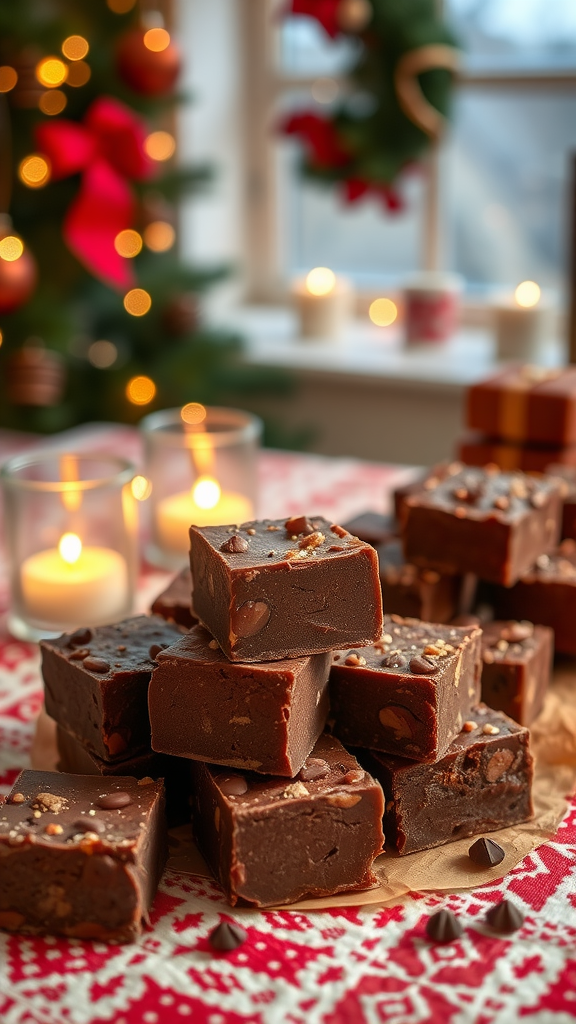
[262, 84]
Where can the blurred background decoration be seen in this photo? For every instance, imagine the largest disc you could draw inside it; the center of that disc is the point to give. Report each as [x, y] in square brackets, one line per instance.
[100, 318]
[396, 100]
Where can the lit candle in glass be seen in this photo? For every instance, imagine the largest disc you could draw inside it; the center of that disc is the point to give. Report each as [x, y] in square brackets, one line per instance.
[74, 584]
[206, 504]
[324, 304]
[523, 323]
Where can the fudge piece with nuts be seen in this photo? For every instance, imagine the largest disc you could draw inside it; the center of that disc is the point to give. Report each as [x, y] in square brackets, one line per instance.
[175, 602]
[517, 665]
[271, 841]
[546, 595]
[96, 683]
[276, 589]
[483, 783]
[75, 759]
[418, 593]
[264, 717]
[567, 474]
[483, 521]
[80, 856]
[409, 693]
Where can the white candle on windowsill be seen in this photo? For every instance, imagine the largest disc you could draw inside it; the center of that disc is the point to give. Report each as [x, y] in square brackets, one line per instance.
[73, 585]
[206, 504]
[523, 323]
[324, 304]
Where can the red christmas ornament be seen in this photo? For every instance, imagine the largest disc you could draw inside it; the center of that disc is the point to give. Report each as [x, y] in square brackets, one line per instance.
[325, 11]
[17, 279]
[149, 72]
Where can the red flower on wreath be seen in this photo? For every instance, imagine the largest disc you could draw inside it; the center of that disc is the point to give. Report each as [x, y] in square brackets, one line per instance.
[321, 140]
[107, 148]
[325, 11]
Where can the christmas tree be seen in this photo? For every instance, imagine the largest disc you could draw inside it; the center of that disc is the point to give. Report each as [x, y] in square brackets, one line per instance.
[99, 317]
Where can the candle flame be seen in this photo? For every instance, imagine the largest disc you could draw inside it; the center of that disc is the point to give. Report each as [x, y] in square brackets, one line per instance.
[70, 547]
[206, 492]
[320, 281]
[527, 294]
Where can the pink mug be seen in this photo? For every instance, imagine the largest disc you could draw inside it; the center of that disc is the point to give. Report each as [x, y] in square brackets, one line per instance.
[432, 304]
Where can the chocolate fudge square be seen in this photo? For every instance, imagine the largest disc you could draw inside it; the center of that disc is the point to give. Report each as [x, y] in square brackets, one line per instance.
[483, 521]
[76, 760]
[483, 783]
[409, 693]
[265, 717]
[371, 527]
[517, 666]
[96, 683]
[526, 403]
[276, 589]
[413, 592]
[175, 602]
[545, 595]
[567, 474]
[80, 856]
[270, 841]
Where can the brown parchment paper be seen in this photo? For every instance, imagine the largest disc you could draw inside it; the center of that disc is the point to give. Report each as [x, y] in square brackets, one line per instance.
[445, 868]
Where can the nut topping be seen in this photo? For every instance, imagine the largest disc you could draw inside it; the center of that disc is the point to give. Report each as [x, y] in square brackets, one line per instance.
[355, 659]
[235, 545]
[50, 802]
[298, 525]
[421, 666]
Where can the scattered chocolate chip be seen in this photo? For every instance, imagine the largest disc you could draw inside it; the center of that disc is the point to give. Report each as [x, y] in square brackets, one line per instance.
[486, 853]
[80, 638]
[314, 768]
[233, 785]
[227, 936]
[96, 664]
[270, 554]
[421, 666]
[155, 650]
[121, 647]
[79, 654]
[505, 917]
[443, 927]
[235, 545]
[89, 825]
[298, 525]
[114, 801]
[397, 661]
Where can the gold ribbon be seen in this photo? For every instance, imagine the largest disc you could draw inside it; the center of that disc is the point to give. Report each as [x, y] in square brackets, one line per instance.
[409, 91]
[514, 398]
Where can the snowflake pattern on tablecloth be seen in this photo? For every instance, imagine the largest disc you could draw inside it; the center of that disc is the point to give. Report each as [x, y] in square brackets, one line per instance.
[371, 965]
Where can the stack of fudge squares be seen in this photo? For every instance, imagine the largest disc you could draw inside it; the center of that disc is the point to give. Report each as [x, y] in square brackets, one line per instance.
[290, 719]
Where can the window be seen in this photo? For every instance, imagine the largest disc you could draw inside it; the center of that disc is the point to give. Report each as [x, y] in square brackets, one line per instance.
[502, 189]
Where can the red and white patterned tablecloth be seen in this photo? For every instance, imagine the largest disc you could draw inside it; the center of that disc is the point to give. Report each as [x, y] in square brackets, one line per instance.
[340, 966]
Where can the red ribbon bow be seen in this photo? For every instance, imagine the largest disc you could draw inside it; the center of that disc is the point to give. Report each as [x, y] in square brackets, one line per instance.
[107, 148]
[325, 11]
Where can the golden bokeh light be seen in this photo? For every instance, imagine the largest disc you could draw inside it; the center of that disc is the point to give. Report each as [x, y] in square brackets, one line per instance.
[140, 390]
[70, 547]
[34, 171]
[156, 39]
[159, 236]
[193, 413]
[383, 312]
[141, 488]
[52, 102]
[51, 72]
[206, 492]
[137, 302]
[75, 47]
[102, 354]
[1, 339]
[320, 281]
[128, 243]
[11, 248]
[8, 78]
[527, 294]
[160, 145]
[121, 6]
[78, 74]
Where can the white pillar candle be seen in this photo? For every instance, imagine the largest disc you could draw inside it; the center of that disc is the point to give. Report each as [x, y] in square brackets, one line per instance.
[204, 505]
[523, 323]
[74, 585]
[324, 303]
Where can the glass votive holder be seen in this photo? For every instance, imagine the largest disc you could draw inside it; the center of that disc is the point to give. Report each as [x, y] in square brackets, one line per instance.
[201, 464]
[71, 531]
